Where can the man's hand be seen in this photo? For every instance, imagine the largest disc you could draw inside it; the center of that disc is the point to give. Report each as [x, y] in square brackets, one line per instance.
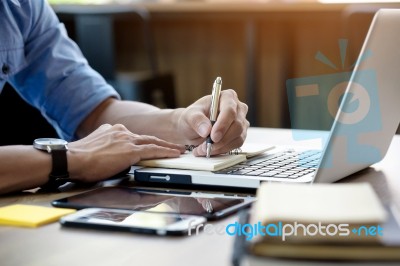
[229, 131]
[111, 149]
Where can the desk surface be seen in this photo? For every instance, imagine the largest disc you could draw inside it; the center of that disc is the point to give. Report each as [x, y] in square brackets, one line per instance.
[53, 245]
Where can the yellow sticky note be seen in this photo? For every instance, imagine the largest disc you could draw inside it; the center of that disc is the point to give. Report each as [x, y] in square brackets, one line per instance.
[30, 215]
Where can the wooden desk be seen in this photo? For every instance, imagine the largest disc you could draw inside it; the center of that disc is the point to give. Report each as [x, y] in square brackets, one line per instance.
[54, 245]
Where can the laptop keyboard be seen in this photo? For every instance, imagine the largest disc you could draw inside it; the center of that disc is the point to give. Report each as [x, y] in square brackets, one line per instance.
[285, 164]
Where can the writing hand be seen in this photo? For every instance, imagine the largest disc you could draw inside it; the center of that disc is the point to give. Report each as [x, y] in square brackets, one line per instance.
[229, 131]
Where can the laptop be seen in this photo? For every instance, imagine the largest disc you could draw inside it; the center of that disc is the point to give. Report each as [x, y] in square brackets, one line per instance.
[367, 117]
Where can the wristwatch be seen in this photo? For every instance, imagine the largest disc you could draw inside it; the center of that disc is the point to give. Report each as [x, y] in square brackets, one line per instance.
[58, 149]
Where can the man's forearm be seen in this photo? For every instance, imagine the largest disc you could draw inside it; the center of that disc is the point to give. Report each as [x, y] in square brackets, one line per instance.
[23, 167]
[140, 118]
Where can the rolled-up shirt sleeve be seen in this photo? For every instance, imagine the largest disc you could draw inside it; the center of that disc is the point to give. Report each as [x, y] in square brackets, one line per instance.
[57, 78]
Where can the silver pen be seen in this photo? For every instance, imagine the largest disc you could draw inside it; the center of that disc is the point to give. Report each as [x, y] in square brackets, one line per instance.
[216, 92]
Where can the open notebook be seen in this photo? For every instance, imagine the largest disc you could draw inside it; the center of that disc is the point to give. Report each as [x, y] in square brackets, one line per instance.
[189, 162]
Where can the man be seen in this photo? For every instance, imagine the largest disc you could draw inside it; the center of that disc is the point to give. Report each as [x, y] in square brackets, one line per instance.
[108, 135]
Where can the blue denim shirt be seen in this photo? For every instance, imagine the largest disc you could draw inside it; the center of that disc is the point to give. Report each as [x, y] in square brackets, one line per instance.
[45, 67]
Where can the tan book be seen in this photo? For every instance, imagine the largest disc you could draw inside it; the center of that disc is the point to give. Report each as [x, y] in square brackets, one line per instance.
[335, 208]
[333, 203]
[341, 222]
[385, 248]
[327, 251]
[189, 162]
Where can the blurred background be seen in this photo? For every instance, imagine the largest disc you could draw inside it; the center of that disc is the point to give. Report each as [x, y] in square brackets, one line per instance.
[169, 52]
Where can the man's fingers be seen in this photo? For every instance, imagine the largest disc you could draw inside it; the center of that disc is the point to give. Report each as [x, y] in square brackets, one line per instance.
[152, 151]
[228, 112]
[200, 123]
[144, 139]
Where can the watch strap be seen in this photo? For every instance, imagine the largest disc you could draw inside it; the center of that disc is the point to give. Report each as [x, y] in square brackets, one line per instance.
[59, 175]
[60, 165]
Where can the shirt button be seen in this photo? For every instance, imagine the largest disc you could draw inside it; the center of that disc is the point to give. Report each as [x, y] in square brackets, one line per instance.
[5, 69]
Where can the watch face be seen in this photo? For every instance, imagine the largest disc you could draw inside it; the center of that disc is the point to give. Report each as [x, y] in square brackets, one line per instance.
[50, 144]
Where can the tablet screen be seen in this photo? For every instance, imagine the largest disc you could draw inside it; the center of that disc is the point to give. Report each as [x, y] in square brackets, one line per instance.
[154, 200]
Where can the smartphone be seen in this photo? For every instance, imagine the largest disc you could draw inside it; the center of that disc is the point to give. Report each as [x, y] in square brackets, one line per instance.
[132, 221]
[210, 205]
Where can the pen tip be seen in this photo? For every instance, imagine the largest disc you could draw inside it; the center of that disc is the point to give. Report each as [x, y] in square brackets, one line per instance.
[218, 80]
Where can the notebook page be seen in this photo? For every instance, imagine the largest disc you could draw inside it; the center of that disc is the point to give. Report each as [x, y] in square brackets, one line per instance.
[189, 162]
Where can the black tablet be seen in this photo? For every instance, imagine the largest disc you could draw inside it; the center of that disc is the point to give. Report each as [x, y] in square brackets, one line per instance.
[210, 205]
